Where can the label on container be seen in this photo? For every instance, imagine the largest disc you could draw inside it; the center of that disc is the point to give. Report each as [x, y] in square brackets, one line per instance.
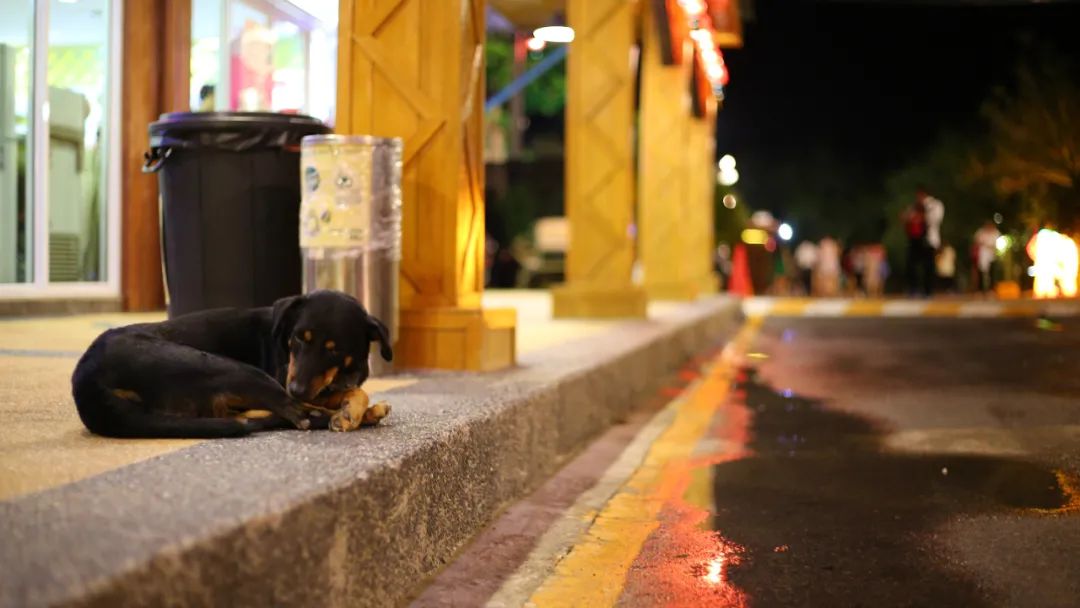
[349, 198]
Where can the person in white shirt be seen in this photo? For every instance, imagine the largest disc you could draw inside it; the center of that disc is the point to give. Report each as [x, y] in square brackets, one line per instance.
[946, 267]
[806, 258]
[935, 213]
[827, 275]
[985, 251]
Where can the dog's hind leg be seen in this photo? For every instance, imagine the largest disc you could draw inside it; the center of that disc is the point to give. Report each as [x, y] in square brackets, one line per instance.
[131, 385]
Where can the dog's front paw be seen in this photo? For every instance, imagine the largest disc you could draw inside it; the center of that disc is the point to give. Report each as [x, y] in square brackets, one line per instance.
[376, 413]
[351, 415]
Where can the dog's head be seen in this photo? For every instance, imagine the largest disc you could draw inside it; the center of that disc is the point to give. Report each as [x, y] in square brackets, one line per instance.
[327, 335]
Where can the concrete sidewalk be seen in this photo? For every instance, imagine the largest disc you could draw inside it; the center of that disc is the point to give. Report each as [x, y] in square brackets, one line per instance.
[358, 519]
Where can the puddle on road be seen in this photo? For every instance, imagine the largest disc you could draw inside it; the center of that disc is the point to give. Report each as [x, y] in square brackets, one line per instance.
[820, 513]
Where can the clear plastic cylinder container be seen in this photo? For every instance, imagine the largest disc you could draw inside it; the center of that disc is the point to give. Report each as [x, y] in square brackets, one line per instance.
[350, 222]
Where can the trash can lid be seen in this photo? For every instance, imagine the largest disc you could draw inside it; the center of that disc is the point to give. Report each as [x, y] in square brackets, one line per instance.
[233, 121]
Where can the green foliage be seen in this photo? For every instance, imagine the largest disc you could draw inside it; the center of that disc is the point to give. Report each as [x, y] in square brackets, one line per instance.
[1033, 154]
[545, 96]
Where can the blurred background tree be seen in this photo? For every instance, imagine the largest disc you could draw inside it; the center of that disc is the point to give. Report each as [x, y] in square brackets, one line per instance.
[1033, 146]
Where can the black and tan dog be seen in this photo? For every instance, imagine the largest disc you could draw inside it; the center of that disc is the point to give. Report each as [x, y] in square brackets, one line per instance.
[225, 373]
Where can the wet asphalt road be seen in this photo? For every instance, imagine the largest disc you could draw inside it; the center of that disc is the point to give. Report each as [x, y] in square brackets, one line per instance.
[886, 462]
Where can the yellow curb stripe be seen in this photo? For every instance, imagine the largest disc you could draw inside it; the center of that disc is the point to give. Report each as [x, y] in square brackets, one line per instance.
[805, 307]
[941, 309]
[789, 308]
[594, 572]
[865, 308]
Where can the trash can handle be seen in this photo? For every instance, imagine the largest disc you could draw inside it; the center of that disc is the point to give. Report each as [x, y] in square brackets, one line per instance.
[155, 158]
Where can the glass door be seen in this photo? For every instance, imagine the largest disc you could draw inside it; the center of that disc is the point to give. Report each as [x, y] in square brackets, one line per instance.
[16, 141]
[59, 203]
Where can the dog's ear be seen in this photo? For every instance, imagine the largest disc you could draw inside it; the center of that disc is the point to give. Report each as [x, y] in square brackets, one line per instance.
[377, 331]
[283, 319]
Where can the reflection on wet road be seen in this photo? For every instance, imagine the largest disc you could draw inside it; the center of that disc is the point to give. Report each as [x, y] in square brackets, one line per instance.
[819, 462]
[798, 498]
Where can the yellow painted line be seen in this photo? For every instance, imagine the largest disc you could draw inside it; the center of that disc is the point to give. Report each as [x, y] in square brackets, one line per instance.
[1070, 486]
[594, 572]
[789, 308]
[865, 308]
[942, 309]
[833, 307]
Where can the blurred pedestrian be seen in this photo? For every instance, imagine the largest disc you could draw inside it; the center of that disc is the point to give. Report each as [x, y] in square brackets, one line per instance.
[806, 258]
[934, 211]
[914, 218]
[922, 224]
[945, 264]
[722, 263]
[827, 277]
[985, 252]
[875, 269]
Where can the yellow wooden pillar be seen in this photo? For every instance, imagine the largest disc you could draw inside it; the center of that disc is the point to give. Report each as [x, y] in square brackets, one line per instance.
[414, 69]
[599, 163]
[669, 168]
[702, 197]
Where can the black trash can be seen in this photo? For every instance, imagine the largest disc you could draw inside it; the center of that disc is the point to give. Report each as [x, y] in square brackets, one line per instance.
[230, 193]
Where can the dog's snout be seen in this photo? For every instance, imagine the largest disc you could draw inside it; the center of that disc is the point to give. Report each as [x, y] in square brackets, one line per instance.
[297, 389]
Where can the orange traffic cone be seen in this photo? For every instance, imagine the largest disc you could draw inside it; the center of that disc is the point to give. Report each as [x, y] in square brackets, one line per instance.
[740, 273]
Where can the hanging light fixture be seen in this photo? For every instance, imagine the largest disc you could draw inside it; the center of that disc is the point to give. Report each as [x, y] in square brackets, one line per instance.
[556, 34]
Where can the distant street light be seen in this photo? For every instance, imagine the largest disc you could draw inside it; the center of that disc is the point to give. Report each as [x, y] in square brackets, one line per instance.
[727, 178]
[727, 163]
[729, 201]
[554, 33]
[785, 232]
[1003, 244]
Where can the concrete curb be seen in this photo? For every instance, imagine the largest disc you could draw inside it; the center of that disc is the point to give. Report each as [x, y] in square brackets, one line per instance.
[321, 519]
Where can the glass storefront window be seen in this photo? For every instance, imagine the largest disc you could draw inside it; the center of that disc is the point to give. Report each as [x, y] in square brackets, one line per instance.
[16, 211]
[56, 200]
[280, 56]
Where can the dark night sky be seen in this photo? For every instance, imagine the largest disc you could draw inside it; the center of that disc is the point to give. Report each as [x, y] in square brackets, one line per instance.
[874, 82]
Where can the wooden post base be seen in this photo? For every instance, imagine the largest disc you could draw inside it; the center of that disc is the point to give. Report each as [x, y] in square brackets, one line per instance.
[598, 302]
[457, 338]
[709, 285]
[681, 290]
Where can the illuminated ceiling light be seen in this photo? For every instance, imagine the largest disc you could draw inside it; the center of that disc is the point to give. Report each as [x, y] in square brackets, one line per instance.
[535, 44]
[755, 236]
[785, 232]
[558, 34]
[729, 201]
[692, 7]
[727, 163]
